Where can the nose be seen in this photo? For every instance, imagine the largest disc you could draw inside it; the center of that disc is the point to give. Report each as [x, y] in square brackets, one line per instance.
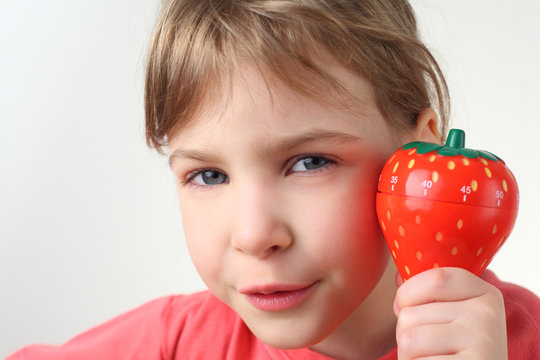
[259, 227]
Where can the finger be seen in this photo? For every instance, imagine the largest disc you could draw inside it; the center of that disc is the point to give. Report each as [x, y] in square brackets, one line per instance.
[432, 313]
[430, 340]
[441, 284]
[399, 281]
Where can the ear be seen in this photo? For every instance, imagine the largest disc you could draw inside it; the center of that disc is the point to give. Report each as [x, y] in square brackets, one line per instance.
[427, 123]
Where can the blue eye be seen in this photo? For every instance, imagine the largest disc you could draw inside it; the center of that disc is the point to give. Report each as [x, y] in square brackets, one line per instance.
[310, 163]
[208, 177]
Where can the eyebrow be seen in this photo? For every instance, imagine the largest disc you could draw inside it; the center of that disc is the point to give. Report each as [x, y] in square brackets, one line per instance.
[190, 154]
[284, 144]
[315, 135]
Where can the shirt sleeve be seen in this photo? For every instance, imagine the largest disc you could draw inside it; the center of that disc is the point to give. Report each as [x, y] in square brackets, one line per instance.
[136, 334]
[522, 322]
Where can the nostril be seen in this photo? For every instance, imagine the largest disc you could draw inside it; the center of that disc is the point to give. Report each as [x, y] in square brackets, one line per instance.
[261, 240]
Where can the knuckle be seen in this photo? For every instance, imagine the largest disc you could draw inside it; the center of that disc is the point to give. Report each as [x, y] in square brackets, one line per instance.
[493, 297]
[439, 277]
[483, 312]
[406, 341]
[488, 310]
[496, 294]
[405, 318]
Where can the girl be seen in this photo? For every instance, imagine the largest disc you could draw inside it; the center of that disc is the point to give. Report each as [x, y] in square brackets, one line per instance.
[278, 117]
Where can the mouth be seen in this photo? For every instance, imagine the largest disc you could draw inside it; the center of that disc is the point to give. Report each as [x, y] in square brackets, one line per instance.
[277, 297]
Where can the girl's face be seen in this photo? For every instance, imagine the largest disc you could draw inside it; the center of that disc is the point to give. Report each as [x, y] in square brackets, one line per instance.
[277, 195]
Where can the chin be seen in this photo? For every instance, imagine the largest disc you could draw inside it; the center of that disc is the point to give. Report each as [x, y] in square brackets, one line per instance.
[291, 340]
[284, 331]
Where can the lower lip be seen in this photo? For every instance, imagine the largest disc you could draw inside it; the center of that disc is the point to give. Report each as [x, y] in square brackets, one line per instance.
[281, 300]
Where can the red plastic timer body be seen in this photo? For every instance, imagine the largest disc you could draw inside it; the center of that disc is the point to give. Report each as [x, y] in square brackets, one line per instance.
[445, 206]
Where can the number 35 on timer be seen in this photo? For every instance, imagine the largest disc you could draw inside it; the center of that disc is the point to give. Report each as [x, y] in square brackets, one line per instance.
[445, 205]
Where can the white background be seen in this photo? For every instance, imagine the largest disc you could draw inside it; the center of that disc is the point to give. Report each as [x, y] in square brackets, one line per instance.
[89, 221]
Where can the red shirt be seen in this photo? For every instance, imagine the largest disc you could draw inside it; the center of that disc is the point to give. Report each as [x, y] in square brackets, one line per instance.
[200, 326]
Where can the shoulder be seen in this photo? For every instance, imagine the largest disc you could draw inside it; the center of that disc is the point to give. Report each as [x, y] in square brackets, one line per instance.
[196, 326]
[197, 315]
[202, 326]
[154, 330]
[202, 303]
[202, 311]
[522, 308]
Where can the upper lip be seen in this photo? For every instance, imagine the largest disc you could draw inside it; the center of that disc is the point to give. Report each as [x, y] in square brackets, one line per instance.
[272, 288]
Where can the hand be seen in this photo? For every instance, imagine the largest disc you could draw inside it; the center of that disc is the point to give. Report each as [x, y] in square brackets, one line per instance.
[449, 313]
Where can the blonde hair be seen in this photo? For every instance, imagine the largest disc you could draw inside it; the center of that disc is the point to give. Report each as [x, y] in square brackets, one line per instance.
[196, 43]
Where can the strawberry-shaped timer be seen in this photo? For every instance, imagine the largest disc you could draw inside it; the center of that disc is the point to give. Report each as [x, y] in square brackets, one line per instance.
[445, 205]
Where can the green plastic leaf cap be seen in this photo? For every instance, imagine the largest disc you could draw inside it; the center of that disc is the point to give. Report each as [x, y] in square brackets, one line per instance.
[456, 139]
[455, 145]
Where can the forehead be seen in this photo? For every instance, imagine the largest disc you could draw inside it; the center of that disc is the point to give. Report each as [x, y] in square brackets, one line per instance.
[257, 94]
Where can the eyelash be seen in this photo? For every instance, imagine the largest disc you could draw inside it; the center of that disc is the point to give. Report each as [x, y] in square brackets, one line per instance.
[188, 181]
[295, 160]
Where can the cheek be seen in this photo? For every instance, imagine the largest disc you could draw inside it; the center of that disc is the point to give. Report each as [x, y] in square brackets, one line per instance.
[346, 243]
[343, 222]
[362, 239]
[202, 240]
[343, 216]
[349, 221]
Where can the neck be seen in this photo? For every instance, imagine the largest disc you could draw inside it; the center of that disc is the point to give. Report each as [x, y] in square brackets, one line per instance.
[369, 332]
